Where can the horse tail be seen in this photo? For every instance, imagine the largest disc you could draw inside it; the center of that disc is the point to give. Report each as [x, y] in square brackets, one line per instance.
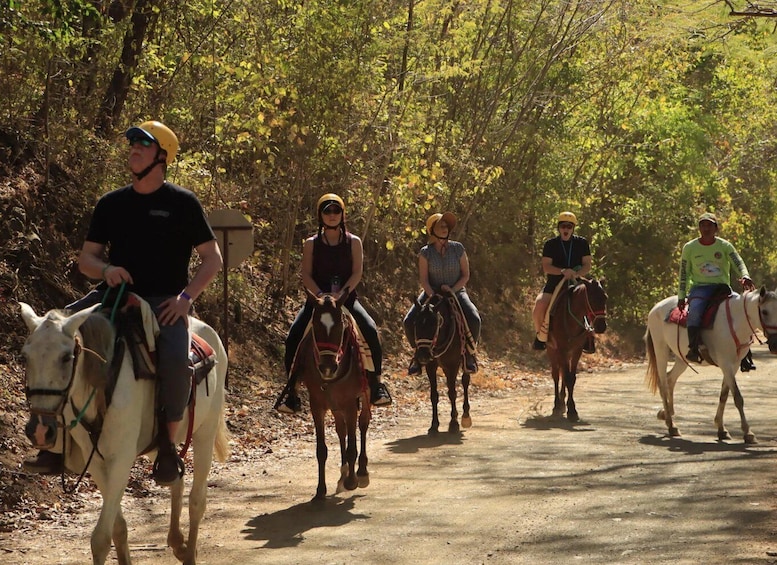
[651, 378]
[221, 445]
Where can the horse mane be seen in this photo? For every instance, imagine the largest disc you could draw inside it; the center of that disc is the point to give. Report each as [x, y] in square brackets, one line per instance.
[99, 337]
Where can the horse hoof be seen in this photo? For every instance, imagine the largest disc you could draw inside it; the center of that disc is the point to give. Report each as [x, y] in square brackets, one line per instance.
[453, 428]
[432, 431]
[364, 481]
[724, 435]
[466, 422]
[573, 417]
[661, 415]
[750, 439]
[674, 432]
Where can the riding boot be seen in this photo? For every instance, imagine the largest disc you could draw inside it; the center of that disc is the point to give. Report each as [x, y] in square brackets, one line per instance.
[747, 363]
[538, 345]
[288, 402]
[168, 466]
[44, 463]
[590, 344]
[694, 338]
[470, 363]
[379, 394]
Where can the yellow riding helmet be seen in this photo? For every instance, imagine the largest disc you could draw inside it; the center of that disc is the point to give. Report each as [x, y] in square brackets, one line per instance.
[567, 217]
[449, 218]
[327, 199]
[160, 134]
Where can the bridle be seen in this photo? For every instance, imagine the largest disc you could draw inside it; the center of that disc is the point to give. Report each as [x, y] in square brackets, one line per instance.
[323, 349]
[63, 393]
[431, 343]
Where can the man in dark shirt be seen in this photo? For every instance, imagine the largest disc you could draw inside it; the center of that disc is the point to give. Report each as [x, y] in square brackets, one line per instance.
[564, 257]
[149, 229]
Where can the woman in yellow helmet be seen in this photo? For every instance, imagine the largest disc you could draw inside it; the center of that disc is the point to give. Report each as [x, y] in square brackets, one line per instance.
[443, 266]
[332, 260]
[564, 257]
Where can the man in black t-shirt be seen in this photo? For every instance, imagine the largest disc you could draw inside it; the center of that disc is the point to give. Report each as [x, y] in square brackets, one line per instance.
[564, 257]
[143, 235]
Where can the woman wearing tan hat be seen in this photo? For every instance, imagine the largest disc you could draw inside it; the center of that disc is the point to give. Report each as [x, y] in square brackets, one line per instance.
[705, 264]
[332, 260]
[443, 266]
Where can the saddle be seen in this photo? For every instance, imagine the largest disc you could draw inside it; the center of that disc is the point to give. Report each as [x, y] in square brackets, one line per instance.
[680, 317]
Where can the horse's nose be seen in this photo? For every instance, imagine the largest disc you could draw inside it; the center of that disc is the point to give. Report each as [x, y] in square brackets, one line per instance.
[600, 326]
[41, 431]
[423, 356]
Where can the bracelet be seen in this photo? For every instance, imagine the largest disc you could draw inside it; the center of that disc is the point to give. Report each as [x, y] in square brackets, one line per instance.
[105, 269]
[186, 296]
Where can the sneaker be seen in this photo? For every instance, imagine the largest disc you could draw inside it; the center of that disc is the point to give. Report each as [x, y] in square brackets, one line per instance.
[379, 395]
[538, 345]
[168, 466]
[414, 368]
[44, 463]
[291, 405]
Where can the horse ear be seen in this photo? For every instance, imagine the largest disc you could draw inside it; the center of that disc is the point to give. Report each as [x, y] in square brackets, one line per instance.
[74, 322]
[343, 297]
[31, 319]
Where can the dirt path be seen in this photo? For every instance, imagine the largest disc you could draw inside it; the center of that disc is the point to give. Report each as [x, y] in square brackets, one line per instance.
[518, 487]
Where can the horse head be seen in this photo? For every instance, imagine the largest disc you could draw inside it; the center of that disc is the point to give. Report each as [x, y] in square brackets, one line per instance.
[596, 304]
[330, 330]
[51, 355]
[767, 315]
[428, 322]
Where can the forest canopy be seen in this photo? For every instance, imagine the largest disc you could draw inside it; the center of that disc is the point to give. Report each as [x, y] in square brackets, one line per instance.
[636, 115]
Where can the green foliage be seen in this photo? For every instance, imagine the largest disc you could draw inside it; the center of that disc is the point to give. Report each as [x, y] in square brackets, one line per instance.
[635, 115]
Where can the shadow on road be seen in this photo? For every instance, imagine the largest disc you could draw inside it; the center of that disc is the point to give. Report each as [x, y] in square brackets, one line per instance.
[682, 445]
[285, 528]
[556, 423]
[417, 443]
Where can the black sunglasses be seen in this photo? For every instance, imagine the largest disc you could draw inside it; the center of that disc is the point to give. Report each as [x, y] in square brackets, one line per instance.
[332, 210]
[144, 141]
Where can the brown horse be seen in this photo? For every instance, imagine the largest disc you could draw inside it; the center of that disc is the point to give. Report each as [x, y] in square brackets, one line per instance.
[579, 310]
[439, 343]
[330, 365]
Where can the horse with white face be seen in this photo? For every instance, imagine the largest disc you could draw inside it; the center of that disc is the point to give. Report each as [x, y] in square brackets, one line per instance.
[67, 357]
[727, 342]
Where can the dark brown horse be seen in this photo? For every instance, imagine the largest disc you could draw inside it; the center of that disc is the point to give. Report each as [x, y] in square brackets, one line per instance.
[439, 343]
[330, 365]
[579, 311]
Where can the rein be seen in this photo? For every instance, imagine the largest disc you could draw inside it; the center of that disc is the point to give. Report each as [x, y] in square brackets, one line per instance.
[433, 342]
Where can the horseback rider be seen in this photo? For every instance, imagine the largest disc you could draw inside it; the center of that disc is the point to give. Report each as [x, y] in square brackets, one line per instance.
[706, 263]
[564, 258]
[443, 266]
[332, 260]
[149, 229]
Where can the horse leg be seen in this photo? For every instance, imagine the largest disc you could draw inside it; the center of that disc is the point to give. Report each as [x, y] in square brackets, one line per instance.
[345, 424]
[739, 402]
[570, 377]
[203, 442]
[434, 395]
[466, 421]
[558, 398]
[365, 416]
[111, 478]
[175, 539]
[119, 536]
[321, 453]
[453, 425]
[667, 384]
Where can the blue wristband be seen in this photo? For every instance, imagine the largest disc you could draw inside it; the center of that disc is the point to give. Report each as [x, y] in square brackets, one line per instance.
[186, 296]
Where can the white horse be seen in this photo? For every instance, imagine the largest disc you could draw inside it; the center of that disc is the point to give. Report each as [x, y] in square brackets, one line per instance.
[727, 343]
[66, 358]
